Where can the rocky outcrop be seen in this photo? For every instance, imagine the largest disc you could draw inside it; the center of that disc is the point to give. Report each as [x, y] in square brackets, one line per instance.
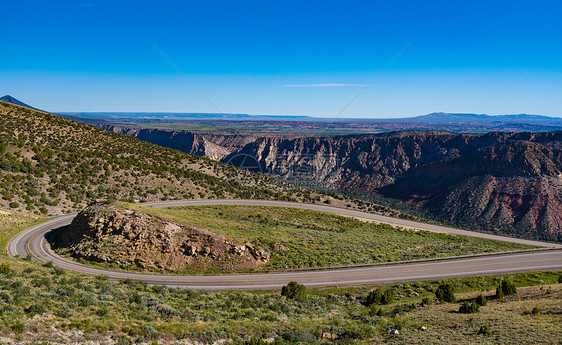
[109, 234]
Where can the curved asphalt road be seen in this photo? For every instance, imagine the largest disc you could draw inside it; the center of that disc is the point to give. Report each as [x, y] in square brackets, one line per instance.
[33, 241]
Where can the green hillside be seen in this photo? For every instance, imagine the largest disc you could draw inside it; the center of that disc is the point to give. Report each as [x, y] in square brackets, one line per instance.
[49, 164]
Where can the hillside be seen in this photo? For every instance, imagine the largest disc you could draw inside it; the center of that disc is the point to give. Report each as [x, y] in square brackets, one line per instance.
[12, 100]
[50, 164]
[500, 182]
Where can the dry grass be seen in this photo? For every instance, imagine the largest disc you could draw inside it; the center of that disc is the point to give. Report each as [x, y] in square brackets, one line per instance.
[510, 320]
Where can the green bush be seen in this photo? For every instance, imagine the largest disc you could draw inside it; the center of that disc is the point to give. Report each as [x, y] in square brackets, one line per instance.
[18, 327]
[5, 269]
[446, 293]
[14, 204]
[378, 297]
[293, 290]
[374, 297]
[481, 300]
[150, 331]
[299, 336]
[387, 297]
[469, 308]
[484, 330]
[35, 309]
[560, 279]
[123, 340]
[426, 301]
[505, 288]
[536, 311]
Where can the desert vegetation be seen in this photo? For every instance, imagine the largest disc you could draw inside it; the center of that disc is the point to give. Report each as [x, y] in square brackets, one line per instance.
[46, 302]
[293, 238]
[52, 164]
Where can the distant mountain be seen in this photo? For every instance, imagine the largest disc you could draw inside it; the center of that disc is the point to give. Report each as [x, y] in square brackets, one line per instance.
[192, 116]
[12, 100]
[429, 118]
[315, 125]
[462, 122]
[479, 118]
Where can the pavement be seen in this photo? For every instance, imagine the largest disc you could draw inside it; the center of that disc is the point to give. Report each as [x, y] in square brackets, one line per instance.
[33, 241]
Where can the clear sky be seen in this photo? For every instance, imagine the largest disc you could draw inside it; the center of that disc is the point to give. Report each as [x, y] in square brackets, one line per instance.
[285, 57]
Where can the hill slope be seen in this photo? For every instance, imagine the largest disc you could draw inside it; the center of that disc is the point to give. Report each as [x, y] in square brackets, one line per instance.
[12, 100]
[52, 164]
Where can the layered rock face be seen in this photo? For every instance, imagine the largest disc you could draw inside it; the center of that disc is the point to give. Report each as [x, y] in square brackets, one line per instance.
[109, 234]
[509, 183]
[501, 182]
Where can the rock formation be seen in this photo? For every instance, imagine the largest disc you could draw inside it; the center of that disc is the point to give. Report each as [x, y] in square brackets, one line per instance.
[501, 182]
[127, 238]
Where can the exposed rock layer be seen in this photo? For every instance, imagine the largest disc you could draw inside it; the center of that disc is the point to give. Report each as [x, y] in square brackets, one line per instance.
[505, 182]
[109, 234]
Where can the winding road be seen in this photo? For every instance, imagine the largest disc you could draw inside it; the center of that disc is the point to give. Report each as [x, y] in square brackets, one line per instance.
[33, 241]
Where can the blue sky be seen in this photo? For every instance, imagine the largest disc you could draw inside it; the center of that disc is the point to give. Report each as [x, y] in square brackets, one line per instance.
[285, 57]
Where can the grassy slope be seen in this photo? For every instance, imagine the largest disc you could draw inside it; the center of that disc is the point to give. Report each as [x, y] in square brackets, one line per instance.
[319, 239]
[52, 164]
[13, 222]
[43, 303]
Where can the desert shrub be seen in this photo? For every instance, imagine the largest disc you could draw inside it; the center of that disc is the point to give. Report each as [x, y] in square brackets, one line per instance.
[5, 269]
[293, 290]
[375, 311]
[35, 309]
[102, 312]
[481, 300]
[299, 336]
[18, 327]
[374, 297]
[150, 331]
[505, 288]
[426, 301]
[536, 311]
[560, 279]
[388, 297]
[255, 341]
[446, 293]
[63, 312]
[484, 330]
[378, 297]
[58, 271]
[85, 299]
[469, 308]
[123, 340]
